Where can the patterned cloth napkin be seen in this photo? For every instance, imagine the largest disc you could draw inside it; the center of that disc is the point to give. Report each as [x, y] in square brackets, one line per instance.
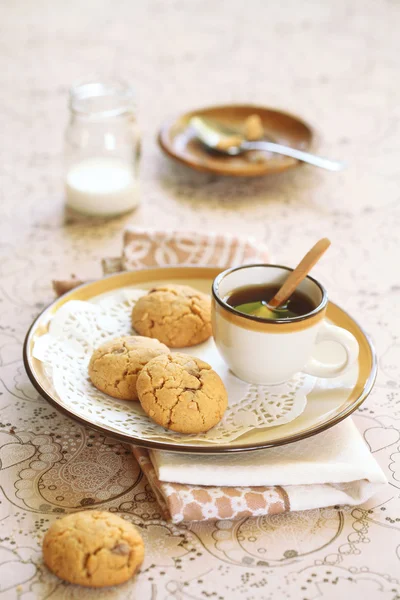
[332, 468]
[146, 248]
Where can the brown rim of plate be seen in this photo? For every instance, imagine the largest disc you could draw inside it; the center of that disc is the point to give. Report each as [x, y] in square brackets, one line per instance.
[215, 292]
[243, 168]
[364, 379]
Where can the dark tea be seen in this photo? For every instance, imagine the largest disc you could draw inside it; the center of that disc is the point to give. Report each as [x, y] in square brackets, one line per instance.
[253, 299]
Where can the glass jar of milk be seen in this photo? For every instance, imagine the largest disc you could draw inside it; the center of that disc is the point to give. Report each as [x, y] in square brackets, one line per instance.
[102, 149]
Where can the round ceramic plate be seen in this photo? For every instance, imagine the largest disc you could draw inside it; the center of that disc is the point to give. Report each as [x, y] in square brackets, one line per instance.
[326, 406]
[179, 141]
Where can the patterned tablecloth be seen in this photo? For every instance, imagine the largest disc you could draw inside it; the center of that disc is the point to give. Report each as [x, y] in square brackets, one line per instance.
[335, 63]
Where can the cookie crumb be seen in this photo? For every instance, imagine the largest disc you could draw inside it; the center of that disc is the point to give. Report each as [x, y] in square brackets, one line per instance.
[253, 128]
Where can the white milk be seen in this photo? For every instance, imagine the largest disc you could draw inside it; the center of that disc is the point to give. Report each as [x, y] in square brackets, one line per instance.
[101, 186]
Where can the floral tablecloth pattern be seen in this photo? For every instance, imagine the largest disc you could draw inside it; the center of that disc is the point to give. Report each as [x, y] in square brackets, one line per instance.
[335, 64]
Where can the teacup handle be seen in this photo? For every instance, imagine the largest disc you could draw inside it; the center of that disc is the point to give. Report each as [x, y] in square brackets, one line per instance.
[343, 337]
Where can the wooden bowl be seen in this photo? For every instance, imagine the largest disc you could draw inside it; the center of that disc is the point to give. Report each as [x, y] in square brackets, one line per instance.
[178, 140]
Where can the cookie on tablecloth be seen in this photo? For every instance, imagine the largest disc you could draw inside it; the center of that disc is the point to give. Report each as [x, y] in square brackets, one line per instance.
[93, 548]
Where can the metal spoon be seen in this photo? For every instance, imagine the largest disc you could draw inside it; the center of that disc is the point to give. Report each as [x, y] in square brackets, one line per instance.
[232, 145]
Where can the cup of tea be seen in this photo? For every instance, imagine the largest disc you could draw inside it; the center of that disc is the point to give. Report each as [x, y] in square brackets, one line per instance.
[271, 350]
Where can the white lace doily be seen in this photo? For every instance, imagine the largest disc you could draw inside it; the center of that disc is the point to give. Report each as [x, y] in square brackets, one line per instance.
[80, 327]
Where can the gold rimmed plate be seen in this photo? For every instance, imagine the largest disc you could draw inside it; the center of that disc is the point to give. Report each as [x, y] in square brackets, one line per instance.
[178, 140]
[326, 405]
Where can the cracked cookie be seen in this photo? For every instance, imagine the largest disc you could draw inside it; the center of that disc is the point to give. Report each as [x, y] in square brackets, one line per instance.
[177, 315]
[182, 393]
[93, 548]
[114, 367]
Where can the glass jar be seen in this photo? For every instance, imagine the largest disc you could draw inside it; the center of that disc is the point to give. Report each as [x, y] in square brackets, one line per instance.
[102, 149]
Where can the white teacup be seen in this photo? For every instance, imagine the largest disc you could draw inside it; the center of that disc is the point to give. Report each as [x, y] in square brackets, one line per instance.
[267, 351]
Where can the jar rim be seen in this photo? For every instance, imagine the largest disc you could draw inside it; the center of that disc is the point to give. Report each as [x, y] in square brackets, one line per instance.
[84, 94]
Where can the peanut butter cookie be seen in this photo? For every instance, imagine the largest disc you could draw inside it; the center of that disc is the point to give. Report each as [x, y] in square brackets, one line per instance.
[115, 366]
[93, 548]
[177, 315]
[182, 393]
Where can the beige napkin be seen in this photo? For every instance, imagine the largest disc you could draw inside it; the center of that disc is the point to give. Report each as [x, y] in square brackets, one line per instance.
[332, 468]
